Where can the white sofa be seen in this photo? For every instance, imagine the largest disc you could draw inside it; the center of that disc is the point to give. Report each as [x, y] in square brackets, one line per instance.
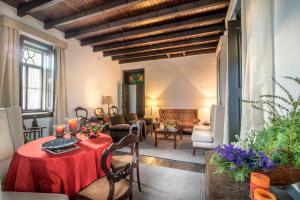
[11, 137]
[210, 137]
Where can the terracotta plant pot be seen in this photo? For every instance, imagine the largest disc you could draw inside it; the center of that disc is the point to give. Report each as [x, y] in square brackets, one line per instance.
[282, 176]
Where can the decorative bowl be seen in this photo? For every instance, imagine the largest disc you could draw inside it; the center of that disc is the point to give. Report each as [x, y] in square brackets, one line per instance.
[59, 143]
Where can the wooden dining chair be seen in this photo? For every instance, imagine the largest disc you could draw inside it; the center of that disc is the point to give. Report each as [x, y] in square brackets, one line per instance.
[117, 185]
[121, 160]
[82, 113]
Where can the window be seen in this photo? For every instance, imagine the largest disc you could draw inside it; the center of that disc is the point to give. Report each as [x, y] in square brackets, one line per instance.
[136, 78]
[37, 76]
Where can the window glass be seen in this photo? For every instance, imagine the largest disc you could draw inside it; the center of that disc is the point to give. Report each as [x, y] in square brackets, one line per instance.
[37, 73]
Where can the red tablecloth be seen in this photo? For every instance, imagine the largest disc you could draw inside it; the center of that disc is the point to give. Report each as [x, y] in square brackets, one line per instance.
[34, 170]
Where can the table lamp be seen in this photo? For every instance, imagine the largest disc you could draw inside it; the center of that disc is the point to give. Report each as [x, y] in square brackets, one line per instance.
[107, 100]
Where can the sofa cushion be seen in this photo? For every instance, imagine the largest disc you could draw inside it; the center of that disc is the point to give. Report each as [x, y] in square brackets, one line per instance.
[202, 136]
[205, 128]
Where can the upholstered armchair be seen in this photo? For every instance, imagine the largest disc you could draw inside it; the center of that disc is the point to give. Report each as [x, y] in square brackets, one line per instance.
[11, 138]
[210, 137]
[147, 123]
[118, 127]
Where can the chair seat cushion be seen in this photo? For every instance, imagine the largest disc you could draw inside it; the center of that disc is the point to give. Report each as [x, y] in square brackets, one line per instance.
[202, 136]
[99, 190]
[31, 196]
[206, 128]
[206, 145]
[120, 160]
[120, 127]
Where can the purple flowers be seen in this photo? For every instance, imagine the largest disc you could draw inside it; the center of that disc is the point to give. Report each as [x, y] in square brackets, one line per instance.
[244, 158]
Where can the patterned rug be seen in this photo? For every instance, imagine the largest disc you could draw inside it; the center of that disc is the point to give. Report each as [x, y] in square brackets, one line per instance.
[165, 149]
[161, 183]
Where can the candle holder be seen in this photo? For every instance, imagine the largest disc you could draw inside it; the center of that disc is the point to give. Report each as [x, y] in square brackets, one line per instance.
[59, 130]
[73, 126]
[258, 181]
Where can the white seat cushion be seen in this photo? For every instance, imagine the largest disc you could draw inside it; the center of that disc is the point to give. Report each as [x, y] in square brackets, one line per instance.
[6, 144]
[4, 165]
[33, 196]
[202, 136]
[205, 128]
[207, 145]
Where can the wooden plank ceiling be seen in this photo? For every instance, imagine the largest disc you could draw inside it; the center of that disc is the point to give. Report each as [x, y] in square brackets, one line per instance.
[134, 30]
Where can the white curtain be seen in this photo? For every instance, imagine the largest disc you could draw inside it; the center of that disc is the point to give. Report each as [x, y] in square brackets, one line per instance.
[9, 67]
[257, 44]
[61, 108]
[226, 103]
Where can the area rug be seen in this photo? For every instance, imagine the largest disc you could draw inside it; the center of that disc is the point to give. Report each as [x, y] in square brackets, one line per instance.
[161, 183]
[164, 149]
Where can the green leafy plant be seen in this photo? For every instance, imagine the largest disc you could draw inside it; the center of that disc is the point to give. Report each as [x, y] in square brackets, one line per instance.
[279, 140]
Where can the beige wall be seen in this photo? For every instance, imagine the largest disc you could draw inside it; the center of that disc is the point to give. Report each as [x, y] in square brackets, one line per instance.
[89, 75]
[187, 82]
[287, 42]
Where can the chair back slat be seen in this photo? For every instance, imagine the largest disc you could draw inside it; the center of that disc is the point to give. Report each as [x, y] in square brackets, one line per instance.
[120, 173]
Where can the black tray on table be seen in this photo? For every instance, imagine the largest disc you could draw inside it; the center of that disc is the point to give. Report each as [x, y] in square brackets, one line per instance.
[60, 145]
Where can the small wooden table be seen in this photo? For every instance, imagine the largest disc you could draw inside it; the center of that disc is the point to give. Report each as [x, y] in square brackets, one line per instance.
[167, 133]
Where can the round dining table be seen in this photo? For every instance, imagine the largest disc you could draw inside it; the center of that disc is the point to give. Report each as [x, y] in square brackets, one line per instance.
[35, 170]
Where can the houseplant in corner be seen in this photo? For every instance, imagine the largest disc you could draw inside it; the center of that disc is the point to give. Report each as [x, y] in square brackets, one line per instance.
[275, 150]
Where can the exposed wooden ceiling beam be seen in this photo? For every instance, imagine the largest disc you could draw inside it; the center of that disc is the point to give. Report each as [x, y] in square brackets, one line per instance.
[198, 32]
[197, 52]
[35, 5]
[143, 59]
[159, 29]
[109, 6]
[201, 40]
[166, 51]
[155, 15]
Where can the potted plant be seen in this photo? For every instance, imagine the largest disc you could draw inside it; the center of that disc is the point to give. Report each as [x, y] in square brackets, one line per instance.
[274, 150]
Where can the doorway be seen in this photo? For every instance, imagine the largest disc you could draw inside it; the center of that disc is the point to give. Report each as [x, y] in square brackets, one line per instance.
[234, 78]
[133, 92]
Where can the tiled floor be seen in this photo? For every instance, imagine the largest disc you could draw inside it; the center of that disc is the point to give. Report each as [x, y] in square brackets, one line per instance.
[194, 167]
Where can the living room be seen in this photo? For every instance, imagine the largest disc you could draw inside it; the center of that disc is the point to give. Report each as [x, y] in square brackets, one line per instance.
[175, 83]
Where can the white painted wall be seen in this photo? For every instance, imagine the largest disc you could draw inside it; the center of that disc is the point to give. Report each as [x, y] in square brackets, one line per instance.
[186, 82]
[287, 42]
[89, 75]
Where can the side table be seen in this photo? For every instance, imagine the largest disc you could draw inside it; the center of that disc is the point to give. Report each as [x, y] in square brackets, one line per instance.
[167, 133]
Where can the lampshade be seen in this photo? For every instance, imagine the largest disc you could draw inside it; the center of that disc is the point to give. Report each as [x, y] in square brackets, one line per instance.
[107, 100]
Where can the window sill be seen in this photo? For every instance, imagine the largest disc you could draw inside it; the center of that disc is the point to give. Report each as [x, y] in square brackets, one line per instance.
[31, 115]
